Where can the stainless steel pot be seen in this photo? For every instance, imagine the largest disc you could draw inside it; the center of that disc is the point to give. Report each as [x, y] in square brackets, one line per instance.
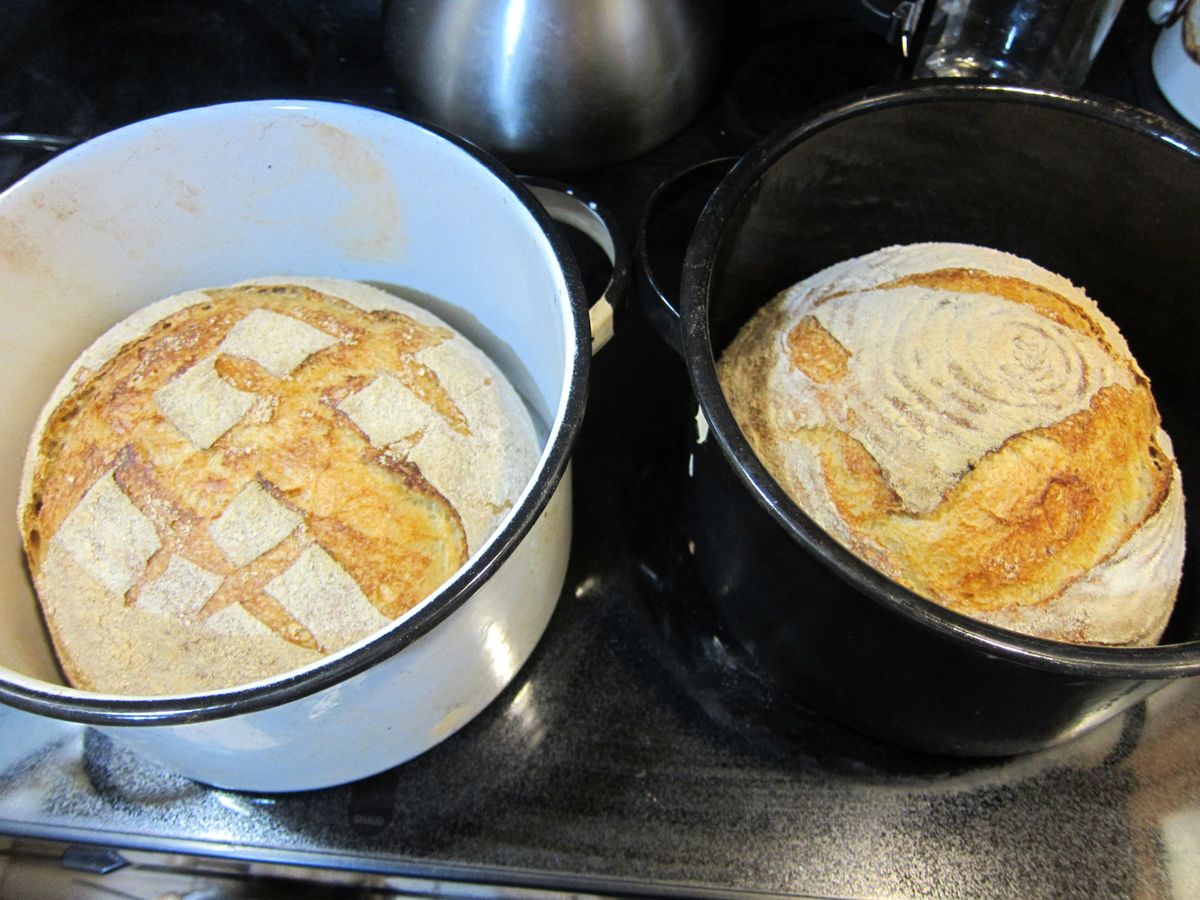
[214, 195]
[555, 84]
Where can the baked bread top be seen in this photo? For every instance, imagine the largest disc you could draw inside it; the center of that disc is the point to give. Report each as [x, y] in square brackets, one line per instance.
[974, 427]
[235, 482]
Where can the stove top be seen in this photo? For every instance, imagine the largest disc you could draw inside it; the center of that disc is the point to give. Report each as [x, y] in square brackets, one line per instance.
[638, 751]
[82, 67]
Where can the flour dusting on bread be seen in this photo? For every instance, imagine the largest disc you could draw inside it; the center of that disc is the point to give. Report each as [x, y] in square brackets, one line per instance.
[972, 425]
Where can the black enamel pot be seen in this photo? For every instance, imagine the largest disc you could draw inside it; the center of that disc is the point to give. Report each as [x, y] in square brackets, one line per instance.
[1106, 195]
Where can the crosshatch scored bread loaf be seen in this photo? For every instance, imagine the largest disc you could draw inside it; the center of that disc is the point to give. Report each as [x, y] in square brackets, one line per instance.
[235, 482]
[974, 427]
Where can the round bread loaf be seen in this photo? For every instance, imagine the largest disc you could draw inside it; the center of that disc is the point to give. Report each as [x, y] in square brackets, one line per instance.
[234, 482]
[972, 426]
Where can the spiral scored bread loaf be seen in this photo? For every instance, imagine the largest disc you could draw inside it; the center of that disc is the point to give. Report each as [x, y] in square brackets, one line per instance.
[972, 426]
[234, 482]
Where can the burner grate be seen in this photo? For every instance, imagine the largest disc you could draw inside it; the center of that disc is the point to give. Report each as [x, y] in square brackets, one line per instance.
[79, 68]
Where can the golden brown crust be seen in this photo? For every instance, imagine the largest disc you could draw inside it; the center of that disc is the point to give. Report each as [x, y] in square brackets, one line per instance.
[1031, 518]
[943, 466]
[815, 352]
[278, 447]
[302, 453]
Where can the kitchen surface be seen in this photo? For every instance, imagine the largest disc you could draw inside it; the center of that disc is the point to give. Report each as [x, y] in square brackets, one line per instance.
[640, 750]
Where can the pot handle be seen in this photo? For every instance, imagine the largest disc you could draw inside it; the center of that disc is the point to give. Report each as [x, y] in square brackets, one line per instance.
[569, 206]
[47, 143]
[27, 145]
[1165, 12]
[896, 21]
[665, 229]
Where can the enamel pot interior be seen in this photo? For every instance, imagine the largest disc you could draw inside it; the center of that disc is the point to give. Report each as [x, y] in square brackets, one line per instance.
[1106, 196]
[211, 196]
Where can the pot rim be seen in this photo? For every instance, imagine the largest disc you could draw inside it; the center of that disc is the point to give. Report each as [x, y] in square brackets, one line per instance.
[1147, 663]
[91, 708]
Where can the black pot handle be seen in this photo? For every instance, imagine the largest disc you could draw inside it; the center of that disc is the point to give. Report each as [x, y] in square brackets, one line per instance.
[47, 143]
[896, 21]
[571, 207]
[31, 151]
[666, 226]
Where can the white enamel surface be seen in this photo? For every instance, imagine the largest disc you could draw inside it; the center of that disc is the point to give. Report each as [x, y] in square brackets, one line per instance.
[217, 195]
[393, 711]
[1177, 74]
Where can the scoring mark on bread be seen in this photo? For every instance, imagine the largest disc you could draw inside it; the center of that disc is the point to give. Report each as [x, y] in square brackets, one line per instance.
[184, 534]
[1045, 302]
[816, 352]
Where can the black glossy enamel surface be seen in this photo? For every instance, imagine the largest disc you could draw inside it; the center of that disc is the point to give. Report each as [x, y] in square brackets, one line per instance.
[1100, 193]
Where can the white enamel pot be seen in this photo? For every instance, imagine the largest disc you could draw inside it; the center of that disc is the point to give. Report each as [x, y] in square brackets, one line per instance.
[1176, 70]
[215, 195]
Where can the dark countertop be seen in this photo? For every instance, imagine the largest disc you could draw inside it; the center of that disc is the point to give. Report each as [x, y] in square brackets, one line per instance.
[638, 752]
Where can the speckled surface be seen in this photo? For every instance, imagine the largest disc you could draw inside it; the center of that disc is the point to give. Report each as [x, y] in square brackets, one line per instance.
[637, 751]
[611, 763]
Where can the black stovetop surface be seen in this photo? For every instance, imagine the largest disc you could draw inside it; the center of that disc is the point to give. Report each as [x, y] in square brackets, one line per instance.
[637, 751]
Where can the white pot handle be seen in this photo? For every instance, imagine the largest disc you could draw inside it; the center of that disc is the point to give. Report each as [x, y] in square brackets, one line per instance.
[570, 207]
[1164, 12]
